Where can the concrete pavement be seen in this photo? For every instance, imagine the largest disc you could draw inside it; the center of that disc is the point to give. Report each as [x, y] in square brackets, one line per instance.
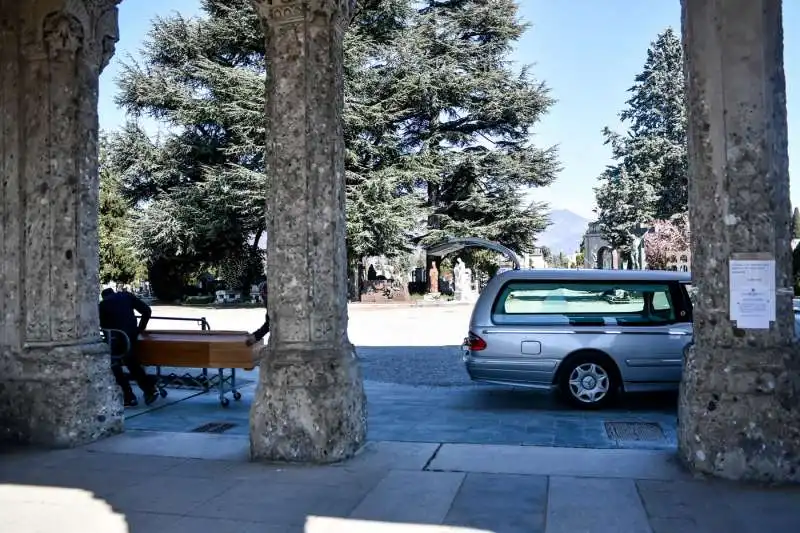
[142, 482]
[444, 325]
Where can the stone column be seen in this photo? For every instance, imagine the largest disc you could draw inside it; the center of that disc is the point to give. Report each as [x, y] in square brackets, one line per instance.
[740, 397]
[56, 387]
[310, 404]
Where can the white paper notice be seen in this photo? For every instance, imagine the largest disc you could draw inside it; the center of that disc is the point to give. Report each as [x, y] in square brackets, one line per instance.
[752, 293]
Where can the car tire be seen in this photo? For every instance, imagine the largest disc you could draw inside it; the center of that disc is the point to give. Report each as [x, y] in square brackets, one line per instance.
[589, 382]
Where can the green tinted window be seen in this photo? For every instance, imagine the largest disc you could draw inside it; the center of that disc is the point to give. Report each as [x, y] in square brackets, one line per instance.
[589, 302]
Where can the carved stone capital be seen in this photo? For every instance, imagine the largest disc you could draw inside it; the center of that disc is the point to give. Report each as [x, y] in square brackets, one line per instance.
[106, 31]
[63, 35]
[280, 12]
[85, 30]
[277, 12]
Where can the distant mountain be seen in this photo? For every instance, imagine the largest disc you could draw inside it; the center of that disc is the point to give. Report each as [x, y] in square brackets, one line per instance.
[564, 233]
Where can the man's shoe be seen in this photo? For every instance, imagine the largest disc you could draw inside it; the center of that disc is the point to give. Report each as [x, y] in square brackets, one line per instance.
[150, 397]
[131, 401]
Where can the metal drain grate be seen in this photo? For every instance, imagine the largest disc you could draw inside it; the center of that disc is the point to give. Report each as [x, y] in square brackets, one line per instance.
[634, 431]
[214, 427]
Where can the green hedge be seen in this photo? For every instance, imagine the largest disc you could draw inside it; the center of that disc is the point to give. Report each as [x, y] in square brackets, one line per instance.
[199, 300]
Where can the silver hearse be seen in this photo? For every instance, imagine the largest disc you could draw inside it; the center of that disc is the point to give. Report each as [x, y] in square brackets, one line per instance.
[589, 333]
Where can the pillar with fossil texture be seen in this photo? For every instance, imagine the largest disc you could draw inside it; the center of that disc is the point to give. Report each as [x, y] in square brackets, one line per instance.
[310, 404]
[739, 414]
[56, 388]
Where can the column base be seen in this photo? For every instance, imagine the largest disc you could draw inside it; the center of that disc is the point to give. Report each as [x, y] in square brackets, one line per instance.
[59, 396]
[740, 420]
[310, 405]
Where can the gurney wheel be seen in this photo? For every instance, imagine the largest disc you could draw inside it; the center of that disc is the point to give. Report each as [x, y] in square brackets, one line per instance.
[237, 395]
[225, 402]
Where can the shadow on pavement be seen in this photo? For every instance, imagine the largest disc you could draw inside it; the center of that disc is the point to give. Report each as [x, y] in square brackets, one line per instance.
[518, 398]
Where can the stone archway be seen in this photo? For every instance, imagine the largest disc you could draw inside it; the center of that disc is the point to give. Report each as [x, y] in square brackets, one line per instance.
[597, 250]
[739, 407]
[449, 246]
[605, 258]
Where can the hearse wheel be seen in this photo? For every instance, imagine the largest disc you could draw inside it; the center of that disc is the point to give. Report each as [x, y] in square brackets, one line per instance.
[589, 382]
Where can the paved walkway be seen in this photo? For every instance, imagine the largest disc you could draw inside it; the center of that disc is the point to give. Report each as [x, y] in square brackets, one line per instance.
[382, 325]
[144, 482]
[470, 414]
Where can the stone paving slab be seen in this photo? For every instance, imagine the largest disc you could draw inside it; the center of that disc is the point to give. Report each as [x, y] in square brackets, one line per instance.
[540, 460]
[501, 503]
[386, 489]
[408, 496]
[691, 507]
[230, 450]
[596, 505]
[186, 445]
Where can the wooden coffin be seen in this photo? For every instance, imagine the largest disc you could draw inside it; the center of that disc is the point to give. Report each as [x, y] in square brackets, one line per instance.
[197, 349]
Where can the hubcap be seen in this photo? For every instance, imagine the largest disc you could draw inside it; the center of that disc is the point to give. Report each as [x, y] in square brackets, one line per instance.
[589, 383]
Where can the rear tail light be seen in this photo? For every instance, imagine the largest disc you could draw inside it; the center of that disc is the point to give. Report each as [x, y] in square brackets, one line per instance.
[475, 343]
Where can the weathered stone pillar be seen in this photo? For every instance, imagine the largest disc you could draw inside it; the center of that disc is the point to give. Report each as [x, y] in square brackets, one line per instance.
[310, 404]
[740, 397]
[56, 387]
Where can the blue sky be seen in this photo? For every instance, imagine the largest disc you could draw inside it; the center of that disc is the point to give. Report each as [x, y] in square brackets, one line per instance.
[586, 51]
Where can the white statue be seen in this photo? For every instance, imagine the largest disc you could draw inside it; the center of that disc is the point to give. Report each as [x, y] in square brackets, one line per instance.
[462, 277]
[458, 273]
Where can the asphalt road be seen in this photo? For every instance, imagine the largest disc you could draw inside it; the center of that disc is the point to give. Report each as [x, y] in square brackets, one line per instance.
[432, 366]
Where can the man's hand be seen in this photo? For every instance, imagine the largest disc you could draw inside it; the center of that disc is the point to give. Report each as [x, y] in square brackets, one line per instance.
[250, 340]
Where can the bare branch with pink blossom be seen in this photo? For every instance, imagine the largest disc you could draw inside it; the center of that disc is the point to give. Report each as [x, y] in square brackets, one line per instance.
[665, 241]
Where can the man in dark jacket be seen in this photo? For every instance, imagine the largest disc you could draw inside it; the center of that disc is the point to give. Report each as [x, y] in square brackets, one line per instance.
[117, 312]
[259, 334]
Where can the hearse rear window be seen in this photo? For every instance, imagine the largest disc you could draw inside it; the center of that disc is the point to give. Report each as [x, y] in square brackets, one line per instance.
[584, 303]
